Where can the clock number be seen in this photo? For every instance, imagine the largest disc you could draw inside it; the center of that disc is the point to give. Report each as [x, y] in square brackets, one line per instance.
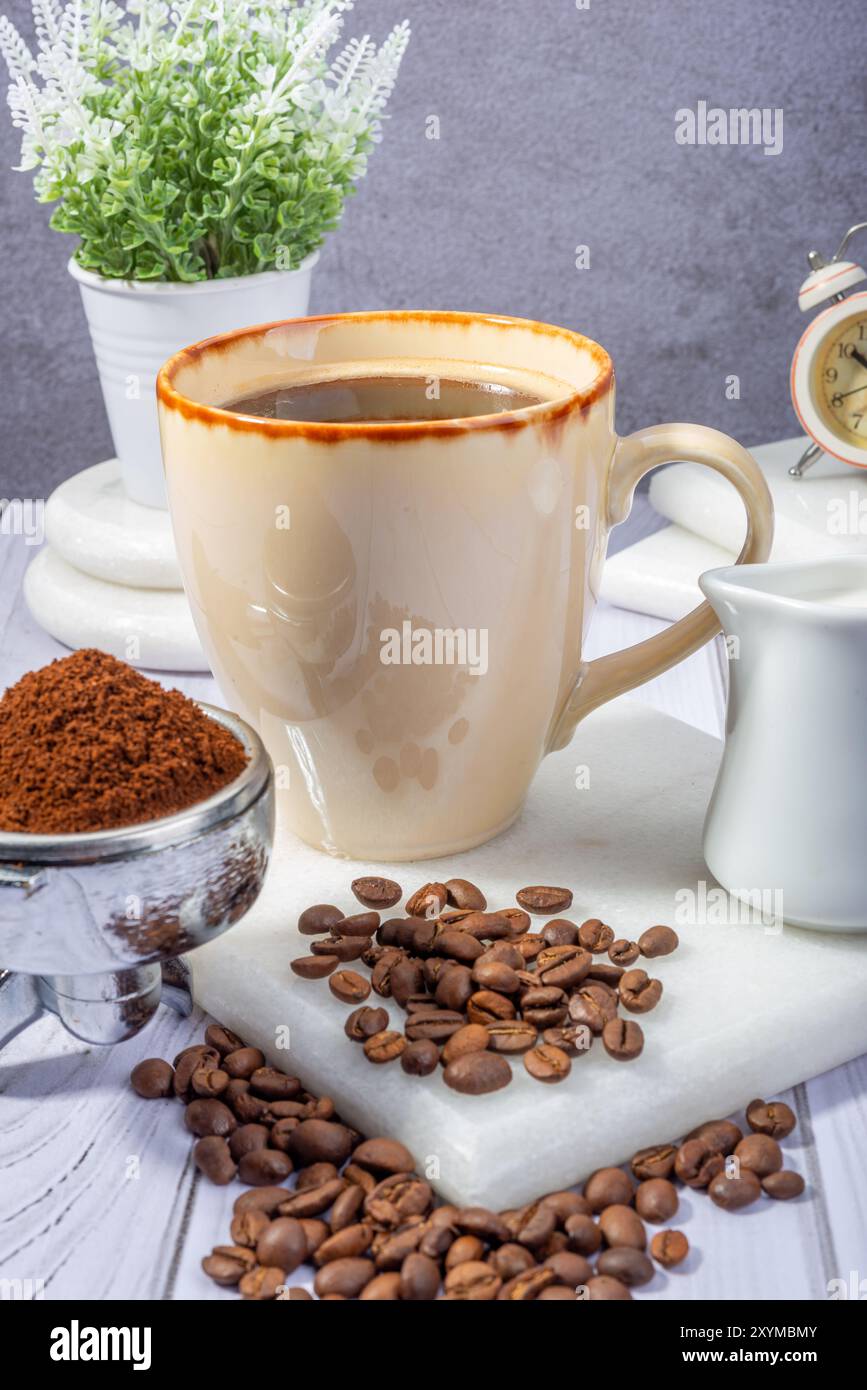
[857, 419]
[831, 374]
[845, 349]
[836, 400]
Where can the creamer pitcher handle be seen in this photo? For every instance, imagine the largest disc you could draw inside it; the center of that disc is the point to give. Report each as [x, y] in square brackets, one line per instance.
[637, 454]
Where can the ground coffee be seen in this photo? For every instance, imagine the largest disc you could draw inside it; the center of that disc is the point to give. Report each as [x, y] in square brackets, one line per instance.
[87, 743]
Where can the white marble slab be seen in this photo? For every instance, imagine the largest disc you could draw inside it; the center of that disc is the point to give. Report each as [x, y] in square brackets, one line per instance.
[746, 1011]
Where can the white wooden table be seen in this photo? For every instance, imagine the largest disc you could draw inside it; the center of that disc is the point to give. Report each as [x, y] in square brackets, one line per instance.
[98, 1196]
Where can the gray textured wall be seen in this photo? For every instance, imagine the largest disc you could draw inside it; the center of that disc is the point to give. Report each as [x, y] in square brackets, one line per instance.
[557, 129]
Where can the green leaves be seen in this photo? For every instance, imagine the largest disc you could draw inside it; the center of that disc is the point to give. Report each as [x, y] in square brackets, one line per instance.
[198, 148]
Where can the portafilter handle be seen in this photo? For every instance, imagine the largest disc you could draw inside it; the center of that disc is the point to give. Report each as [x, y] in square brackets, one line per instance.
[101, 1009]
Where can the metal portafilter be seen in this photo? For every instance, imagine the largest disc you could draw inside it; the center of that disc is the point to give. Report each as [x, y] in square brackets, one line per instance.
[93, 926]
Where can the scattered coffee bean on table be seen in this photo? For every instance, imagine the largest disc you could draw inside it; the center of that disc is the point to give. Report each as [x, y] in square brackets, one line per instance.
[360, 1223]
[540, 899]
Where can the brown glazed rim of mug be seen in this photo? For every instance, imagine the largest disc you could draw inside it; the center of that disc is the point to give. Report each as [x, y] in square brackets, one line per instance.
[383, 431]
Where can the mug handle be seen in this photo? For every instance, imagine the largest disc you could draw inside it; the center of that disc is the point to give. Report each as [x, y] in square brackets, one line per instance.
[634, 456]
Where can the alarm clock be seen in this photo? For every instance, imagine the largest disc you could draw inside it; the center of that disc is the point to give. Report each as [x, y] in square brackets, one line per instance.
[829, 368]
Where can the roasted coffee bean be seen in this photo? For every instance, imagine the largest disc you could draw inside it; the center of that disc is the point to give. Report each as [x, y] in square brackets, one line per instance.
[558, 1293]
[346, 1277]
[655, 1200]
[669, 1248]
[349, 987]
[547, 1063]
[296, 1294]
[313, 967]
[461, 893]
[541, 899]
[465, 1248]
[604, 1288]
[236, 1087]
[505, 951]
[595, 936]
[459, 946]
[263, 1167]
[496, 975]
[386, 1046]
[760, 1154]
[383, 1156]
[783, 1184]
[560, 932]
[622, 1039]
[592, 1006]
[307, 1202]
[261, 1283]
[321, 1141]
[271, 1084]
[419, 1278]
[512, 1036]
[473, 1038]
[534, 1225]
[322, 917]
[315, 1232]
[566, 1204]
[567, 972]
[528, 1285]
[733, 1193]
[243, 1061]
[420, 1058]
[436, 1024]
[227, 1263]
[478, 1073]
[570, 1268]
[473, 1282]
[247, 1227]
[203, 1117]
[390, 1248]
[407, 979]
[427, 901]
[623, 952]
[364, 1022]
[517, 920]
[632, 1267]
[608, 1187]
[544, 1006]
[222, 1039]
[314, 1175]
[381, 975]
[774, 1118]
[480, 1221]
[510, 1259]
[638, 992]
[359, 1177]
[250, 1109]
[213, 1159]
[722, 1135]
[282, 1245]
[696, 1163]
[454, 987]
[572, 1038]
[658, 941]
[265, 1199]
[603, 972]
[419, 1003]
[382, 1288]
[425, 937]
[377, 892]
[655, 1162]
[186, 1066]
[247, 1138]
[585, 1237]
[360, 924]
[152, 1079]
[345, 1244]
[530, 946]
[488, 926]
[209, 1082]
[346, 1207]
[345, 948]
[397, 1198]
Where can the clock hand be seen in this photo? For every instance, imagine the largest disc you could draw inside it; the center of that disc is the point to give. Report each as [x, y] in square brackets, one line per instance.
[841, 395]
[859, 357]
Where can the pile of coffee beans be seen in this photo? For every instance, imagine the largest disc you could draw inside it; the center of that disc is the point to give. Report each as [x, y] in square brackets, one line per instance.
[479, 987]
[368, 1227]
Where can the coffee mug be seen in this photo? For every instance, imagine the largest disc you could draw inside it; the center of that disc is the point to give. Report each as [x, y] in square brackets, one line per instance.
[400, 607]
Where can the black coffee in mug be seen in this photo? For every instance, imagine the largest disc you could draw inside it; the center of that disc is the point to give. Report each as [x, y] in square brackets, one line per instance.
[387, 397]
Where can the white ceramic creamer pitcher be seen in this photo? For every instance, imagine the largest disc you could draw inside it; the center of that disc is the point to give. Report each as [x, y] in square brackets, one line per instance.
[788, 811]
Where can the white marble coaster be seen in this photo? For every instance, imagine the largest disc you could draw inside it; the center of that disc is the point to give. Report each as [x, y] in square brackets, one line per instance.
[745, 1011]
[90, 521]
[147, 627]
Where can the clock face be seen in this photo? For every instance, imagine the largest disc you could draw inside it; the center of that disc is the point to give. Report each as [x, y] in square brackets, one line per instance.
[841, 384]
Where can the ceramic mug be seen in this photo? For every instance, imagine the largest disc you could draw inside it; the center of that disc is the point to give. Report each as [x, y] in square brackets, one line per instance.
[400, 607]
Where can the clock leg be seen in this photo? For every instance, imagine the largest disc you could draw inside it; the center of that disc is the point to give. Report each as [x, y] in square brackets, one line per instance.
[807, 459]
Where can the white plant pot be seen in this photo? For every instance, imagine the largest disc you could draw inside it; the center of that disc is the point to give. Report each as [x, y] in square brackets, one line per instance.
[136, 324]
